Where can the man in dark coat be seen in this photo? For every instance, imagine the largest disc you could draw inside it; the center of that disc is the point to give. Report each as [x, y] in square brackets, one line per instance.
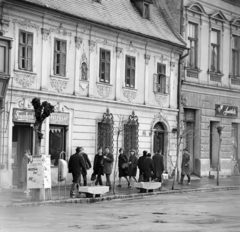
[148, 168]
[87, 164]
[140, 164]
[108, 165]
[158, 166]
[98, 167]
[76, 166]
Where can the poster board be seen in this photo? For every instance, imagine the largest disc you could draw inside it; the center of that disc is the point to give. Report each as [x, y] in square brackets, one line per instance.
[39, 172]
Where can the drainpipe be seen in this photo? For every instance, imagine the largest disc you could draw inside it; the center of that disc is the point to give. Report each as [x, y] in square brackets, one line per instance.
[181, 57]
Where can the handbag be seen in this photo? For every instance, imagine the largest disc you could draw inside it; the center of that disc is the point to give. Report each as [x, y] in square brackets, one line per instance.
[124, 165]
[93, 177]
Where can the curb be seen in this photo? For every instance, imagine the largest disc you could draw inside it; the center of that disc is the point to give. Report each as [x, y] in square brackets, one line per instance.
[117, 197]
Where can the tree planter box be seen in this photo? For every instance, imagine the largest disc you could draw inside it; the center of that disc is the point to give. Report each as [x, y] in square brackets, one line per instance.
[147, 186]
[93, 191]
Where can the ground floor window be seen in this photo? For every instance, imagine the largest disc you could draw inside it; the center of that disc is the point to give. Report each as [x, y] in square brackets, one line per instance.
[57, 143]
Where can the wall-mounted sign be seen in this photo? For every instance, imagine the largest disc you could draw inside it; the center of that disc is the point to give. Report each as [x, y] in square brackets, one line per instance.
[21, 115]
[226, 111]
[59, 119]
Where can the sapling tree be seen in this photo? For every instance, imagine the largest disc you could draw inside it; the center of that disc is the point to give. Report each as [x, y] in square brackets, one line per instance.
[42, 111]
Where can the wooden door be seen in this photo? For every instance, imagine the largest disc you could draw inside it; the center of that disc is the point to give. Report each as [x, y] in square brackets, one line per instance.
[22, 140]
[158, 142]
[214, 144]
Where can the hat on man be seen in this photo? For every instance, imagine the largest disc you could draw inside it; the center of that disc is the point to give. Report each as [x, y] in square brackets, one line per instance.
[78, 149]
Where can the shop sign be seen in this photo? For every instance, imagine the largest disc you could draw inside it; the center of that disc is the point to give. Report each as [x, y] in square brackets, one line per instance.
[226, 111]
[59, 118]
[20, 115]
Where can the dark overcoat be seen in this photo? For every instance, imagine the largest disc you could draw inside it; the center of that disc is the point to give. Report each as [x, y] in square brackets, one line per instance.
[108, 163]
[122, 159]
[158, 165]
[148, 167]
[140, 163]
[87, 161]
[186, 164]
[76, 165]
[98, 166]
[133, 165]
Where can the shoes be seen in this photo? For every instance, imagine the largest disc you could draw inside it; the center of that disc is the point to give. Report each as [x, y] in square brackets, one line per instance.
[189, 183]
[129, 186]
[119, 186]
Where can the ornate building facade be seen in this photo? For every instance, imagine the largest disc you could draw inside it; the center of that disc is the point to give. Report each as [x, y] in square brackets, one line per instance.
[210, 82]
[103, 71]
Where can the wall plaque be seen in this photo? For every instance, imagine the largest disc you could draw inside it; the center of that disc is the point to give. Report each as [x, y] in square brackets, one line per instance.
[59, 119]
[21, 115]
[226, 111]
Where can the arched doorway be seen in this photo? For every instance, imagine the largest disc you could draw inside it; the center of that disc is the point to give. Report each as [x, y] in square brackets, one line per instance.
[158, 141]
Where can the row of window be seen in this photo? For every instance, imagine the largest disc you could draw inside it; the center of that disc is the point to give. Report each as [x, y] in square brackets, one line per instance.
[60, 54]
[215, 50]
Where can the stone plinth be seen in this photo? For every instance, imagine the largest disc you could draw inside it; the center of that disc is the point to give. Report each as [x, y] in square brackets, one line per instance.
[147, 186]
[93, 191]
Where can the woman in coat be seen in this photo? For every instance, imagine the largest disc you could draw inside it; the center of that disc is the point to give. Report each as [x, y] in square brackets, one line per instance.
[148, 168]
[133, 161]
[185, 166]
[98, 167]
[122, 166]
[108, 165]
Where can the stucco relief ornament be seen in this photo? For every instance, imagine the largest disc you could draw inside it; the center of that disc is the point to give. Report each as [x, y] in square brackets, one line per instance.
[45, 33]
[104, 91]
[160, 99]
[25, 80]
[26, 23]
[130, 95]
[83, 85]
[92, 45]
[60, 31]
[183, 100]
[4, 23]
[58, 84]
[78, 41]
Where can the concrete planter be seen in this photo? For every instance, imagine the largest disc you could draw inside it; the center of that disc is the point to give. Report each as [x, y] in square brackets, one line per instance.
[93, 191]
[147, 186]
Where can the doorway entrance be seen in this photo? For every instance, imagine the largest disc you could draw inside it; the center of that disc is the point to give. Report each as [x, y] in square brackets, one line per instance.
[158, 142]
[214, 144]
[21, 141]
[190, 143]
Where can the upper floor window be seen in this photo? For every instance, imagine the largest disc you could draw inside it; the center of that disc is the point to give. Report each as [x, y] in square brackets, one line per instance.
[105, 65]
[215, 51]
[130, 72]
[60, 53]
[192, 43]
[145, 11]
[25, 50]
[160, 79]
[236, 56]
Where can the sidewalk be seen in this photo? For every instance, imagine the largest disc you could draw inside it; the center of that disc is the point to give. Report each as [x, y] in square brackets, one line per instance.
[16, 197]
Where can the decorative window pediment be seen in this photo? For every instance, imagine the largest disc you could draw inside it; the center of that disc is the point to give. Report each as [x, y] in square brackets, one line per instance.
[236, 22]
[196, 8]
[218, 16]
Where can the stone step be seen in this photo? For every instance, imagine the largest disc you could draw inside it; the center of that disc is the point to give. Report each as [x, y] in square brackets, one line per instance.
[93, 191]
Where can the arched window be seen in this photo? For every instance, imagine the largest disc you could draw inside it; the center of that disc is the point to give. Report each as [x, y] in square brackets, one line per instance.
[131, 133]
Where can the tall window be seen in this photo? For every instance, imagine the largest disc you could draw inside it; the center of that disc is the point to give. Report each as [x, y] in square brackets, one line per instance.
[130, 72]
[25, 50]
[60, 53]
[215, 51]
[236, 56]
[105, 65]
[160, 79]
[192, 43]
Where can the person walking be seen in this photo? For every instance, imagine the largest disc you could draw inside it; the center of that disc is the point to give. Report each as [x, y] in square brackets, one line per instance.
[140, 165]
[185, 166]
[122, 167]
[24, 164]
[108, 166]
[87, 164]
[148, 168]
[158, 166]
[133, 161]
[76, 166]
[98, 166]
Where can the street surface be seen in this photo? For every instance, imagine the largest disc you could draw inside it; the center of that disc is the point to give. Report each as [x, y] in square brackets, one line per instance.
[195, 212]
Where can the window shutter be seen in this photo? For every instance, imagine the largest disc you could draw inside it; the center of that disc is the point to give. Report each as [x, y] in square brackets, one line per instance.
[155, 82]
[167, 85]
